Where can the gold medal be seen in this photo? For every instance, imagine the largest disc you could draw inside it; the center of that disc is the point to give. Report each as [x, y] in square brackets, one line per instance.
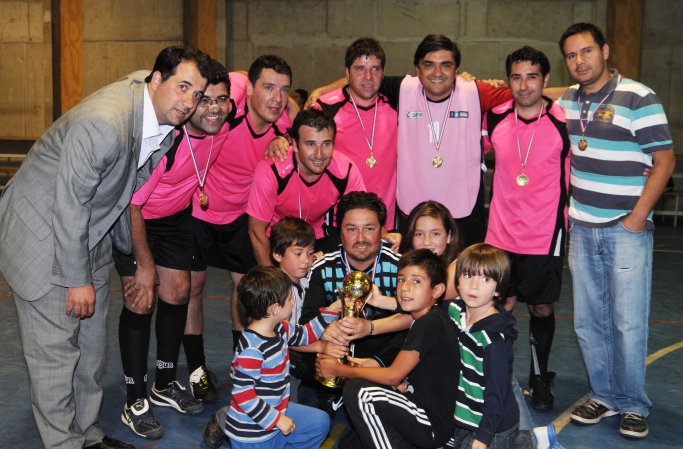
[203, 201]
[522, 180]
[371, 161]
[583, 144]
[437, 161]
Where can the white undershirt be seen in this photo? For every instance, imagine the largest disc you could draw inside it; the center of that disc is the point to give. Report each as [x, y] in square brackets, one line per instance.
[152, 133]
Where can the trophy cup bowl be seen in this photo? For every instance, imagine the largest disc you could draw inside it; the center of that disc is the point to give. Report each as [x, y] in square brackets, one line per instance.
[355, 291]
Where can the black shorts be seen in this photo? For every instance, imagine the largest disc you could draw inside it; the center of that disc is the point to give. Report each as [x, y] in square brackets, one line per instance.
[535, 279]
[170, 241]
[223, 246]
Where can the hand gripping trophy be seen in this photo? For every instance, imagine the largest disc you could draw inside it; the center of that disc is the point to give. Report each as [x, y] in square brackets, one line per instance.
[354, 294]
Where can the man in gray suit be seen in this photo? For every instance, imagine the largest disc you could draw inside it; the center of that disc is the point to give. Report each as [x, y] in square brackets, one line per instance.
[56, 215]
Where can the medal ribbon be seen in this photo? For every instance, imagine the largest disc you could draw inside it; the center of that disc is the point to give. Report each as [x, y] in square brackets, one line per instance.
[370, 141]
[348, 267]
[200, 179]
[590, 117]
[442, 128]
[528, 148]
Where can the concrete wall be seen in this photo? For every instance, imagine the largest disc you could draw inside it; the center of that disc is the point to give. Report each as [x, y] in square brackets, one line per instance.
[312, 35]
[25, 67]
[662, 59]
[124, 35]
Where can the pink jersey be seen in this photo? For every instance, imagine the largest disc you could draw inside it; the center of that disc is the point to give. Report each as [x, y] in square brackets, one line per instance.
[167, 192]
[456, 182]
[351, 141]
[525, 219]
[278, 191]
[230, 178]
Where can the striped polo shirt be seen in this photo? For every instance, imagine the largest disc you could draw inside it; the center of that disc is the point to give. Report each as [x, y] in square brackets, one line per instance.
[630, 124]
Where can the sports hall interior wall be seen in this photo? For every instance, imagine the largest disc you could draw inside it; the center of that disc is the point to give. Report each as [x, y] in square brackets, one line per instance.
[123, 35]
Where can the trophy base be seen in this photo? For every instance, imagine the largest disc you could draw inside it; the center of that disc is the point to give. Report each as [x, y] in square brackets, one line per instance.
[331, 382]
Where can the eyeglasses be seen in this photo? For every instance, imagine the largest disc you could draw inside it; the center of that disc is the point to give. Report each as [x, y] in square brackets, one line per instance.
[208, 101]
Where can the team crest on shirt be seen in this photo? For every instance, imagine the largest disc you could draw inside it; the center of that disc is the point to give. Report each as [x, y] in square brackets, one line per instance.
[414, 114]
[605, 114]
[458, 114]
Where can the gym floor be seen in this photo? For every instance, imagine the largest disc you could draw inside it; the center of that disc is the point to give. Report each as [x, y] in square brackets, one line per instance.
[664, 372]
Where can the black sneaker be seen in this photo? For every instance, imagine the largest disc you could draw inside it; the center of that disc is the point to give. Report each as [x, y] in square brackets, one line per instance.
[633, 425]
[203, 386]
[141, 420]
[541, 391]
[591, 412]
[213, 435]
[176, 396]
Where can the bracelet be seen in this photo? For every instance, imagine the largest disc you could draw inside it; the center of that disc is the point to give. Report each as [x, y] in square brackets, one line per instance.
[372, 327]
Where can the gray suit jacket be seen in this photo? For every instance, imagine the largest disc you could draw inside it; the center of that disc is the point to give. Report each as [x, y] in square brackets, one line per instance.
[76, 182]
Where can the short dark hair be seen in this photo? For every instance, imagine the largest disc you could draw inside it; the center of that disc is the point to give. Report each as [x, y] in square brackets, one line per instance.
[436, 42]
[365, 46]
[314, 118]
[583, 27]
[260, 288]
[273, 62]
[482, 259]
[428, 261]
[530, 54]
[437, 211]
[361, 200]
[219, 74]
[303, 93]
[169, 58]
[290, 231]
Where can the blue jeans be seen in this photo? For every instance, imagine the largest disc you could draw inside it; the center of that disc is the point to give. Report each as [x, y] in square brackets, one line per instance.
[312, 425]
[612, 280]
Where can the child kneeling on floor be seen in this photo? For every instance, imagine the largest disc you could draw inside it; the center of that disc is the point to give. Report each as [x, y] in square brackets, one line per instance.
[260, 414]
[410, 403]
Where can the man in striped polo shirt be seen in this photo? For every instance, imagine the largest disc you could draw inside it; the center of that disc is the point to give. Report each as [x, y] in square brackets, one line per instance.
[617, 129]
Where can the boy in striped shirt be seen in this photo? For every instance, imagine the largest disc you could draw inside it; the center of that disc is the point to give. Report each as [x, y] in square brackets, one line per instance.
[260, 414]
[486, 412]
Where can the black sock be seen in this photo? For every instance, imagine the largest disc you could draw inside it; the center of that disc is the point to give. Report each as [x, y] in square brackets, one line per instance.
[133, 346]
[170, 326]
[194, 351]
[541, 332]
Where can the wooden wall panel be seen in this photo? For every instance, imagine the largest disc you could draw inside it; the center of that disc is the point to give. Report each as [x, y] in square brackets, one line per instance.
[25, 68]
[624, 35]
[202, 25]
[105, 64]
[71, 52]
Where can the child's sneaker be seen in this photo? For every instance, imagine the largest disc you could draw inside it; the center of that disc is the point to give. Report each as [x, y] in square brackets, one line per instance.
[546, 438]
[213, 435]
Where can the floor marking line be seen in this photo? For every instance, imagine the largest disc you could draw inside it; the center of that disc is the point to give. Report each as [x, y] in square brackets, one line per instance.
[333, 436]
[662, 352]
[561, 421]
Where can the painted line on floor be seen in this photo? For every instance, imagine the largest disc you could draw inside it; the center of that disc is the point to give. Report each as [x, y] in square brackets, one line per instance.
[662, 352]
[333, 436]
[561, 421]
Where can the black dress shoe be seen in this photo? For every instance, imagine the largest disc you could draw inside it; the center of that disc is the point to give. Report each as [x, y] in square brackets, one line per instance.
[110, 443]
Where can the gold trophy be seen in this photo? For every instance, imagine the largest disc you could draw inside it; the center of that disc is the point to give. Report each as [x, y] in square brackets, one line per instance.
[354, 294]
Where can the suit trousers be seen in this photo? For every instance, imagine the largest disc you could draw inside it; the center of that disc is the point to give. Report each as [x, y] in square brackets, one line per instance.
[65, 357]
